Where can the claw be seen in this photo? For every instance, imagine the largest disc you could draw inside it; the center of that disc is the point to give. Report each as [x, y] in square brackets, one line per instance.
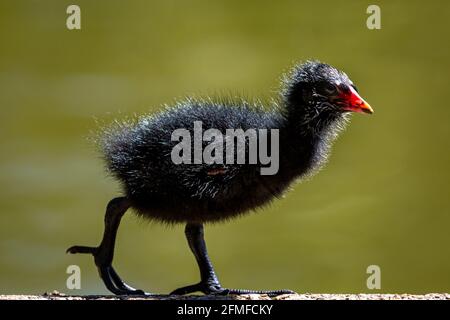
[123, 286]
[115, 284]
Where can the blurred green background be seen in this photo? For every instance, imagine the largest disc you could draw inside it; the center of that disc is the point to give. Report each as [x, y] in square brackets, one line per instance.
[383, 198]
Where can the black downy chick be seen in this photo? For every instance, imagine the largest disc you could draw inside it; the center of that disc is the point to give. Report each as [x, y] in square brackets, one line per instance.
[314, 105]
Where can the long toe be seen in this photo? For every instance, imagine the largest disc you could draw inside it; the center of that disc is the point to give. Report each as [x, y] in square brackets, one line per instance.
[115, 284]
[270, 293]
[81, 249]
[120, 284]
[215, 289]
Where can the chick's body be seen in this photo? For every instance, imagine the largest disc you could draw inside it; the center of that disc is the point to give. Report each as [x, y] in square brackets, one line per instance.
[139, 156]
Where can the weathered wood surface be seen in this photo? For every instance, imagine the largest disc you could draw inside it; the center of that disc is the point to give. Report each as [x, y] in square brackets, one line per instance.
[308, 296]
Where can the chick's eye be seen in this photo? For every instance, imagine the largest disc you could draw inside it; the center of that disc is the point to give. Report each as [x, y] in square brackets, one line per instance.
[329, 88]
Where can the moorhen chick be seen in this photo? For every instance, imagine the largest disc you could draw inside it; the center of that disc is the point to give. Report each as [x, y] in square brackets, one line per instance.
[313, 108]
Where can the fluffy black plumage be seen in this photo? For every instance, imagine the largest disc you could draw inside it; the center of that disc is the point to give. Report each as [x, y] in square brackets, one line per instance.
[310, 112]
[308, 119]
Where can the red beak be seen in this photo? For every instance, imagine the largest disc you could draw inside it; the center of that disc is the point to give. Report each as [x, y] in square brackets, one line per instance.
[355, 103]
